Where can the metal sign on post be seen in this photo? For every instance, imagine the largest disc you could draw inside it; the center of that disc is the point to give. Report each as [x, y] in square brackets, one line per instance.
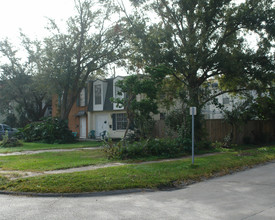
[193, 112]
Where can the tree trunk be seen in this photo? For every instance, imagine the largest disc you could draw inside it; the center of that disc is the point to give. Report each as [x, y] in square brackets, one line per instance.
[127, 128]
[194, 101]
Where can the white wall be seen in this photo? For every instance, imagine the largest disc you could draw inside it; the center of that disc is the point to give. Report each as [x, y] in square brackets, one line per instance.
[110, 132]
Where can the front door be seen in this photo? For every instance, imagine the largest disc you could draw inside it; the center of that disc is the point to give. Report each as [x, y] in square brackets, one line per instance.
[82, 127]
[101, 124]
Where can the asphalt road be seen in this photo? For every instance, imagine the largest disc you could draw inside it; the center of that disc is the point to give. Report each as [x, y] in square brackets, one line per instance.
[245, 195]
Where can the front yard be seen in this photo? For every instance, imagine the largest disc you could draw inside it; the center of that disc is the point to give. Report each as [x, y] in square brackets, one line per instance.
[53, 160]
[43, 146]
[135, 175]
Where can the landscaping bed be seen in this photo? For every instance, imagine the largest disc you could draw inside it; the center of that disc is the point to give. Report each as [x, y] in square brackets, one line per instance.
[154, 175]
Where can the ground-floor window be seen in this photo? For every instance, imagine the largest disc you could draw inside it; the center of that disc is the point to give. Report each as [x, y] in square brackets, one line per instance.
[119, 121]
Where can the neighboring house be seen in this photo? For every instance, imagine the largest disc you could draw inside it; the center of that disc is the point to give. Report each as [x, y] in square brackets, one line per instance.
[94, 110]
[103, 115]
[211, 111]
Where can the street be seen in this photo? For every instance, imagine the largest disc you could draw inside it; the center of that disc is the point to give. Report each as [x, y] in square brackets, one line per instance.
[247, 195]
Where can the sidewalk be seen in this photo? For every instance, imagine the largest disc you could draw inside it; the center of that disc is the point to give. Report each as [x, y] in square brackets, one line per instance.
[43, 151]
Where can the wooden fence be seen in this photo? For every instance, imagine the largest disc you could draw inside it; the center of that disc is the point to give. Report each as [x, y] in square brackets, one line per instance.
[255, 131]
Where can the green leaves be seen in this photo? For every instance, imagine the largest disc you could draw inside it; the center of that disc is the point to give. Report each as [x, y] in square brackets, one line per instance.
[50, 130]
[90, 43]
[140, 98]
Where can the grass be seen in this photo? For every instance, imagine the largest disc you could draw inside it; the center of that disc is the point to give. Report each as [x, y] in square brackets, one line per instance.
[63, 160]
[42, 146]
[164, 174]
[53, 160]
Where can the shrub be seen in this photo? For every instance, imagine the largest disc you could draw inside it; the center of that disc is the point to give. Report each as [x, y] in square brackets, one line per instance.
[217, 144]
[10, 142]
[246, 140]
[185, 143]
[50, 130]
[133, 150]
[203, 145]
[112, 149]
[147, 148]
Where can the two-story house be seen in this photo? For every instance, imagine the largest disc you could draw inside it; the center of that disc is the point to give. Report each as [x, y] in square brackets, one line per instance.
[94, 111]
[229, 101]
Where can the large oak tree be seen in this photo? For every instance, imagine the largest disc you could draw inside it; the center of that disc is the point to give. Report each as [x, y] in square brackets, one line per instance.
[94, 38]
[202, 40]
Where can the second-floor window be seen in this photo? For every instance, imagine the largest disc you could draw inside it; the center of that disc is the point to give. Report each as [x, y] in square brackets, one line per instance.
[225, 101]
[118, 93]
[98, 95]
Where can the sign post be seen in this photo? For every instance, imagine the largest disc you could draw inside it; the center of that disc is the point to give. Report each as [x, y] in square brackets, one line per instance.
[193, 112]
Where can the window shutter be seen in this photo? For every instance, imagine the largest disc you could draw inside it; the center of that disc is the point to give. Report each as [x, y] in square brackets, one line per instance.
[86, 96]
[78, 101]
[114, 121]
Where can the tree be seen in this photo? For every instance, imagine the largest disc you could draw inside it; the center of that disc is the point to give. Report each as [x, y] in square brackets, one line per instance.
[264, 107]
[91, 42]
[140, 99]
[236, 117]
[203, 40]
[21, 89]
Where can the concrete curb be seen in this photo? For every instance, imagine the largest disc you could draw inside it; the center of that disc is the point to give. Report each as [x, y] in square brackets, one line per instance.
[84, 194]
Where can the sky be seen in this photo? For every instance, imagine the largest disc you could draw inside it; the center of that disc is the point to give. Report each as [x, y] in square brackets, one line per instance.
[31, 16]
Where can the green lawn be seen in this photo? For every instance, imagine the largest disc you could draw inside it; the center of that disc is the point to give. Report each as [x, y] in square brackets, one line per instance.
[53, 160]
[142, 176]
[42, 146]
[62, 160]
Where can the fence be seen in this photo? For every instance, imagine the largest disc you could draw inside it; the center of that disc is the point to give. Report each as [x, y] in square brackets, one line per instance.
[255, 131]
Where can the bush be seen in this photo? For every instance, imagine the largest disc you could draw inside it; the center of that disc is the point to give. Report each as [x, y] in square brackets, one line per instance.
[147, 148]
[246, 140]
[10, 142]
[112, 149]
[203, 145]
[50, 130]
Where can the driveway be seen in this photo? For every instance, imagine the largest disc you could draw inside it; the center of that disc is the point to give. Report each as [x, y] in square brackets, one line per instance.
[245, 195]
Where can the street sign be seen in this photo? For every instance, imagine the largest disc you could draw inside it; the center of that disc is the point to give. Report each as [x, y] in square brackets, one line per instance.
[193, 109]
[193, 112]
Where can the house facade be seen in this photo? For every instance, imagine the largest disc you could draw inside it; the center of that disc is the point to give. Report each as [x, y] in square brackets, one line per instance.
[95, 112]
[229, 101]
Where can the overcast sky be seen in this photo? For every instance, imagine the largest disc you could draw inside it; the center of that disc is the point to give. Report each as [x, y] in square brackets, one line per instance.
[30, 16]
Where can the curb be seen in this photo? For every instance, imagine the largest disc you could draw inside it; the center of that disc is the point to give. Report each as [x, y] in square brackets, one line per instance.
[84, 194]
